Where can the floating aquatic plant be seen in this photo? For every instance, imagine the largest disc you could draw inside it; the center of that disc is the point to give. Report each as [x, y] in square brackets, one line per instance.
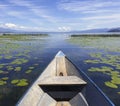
[101, 69]
[31, 68]
[111, 85]
[18, 68]
[23, 82]
[4, 78]
[2, 82]
[3, 72]
[96, 55]
[9, 68]
[97, 42]
[1, 65]
[19, 61]
[8, 57]
[20, 82]
[28, 71]
[15, 81]
[0, 57]
[92, 61]
[118, 92]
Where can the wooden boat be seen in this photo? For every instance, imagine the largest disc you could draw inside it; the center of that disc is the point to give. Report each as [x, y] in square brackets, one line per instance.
[60, 84]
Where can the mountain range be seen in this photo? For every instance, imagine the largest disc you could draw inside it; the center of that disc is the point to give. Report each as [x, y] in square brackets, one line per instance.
[99, 30]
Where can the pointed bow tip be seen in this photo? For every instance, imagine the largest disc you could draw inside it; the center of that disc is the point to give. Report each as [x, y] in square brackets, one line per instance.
[60, 54]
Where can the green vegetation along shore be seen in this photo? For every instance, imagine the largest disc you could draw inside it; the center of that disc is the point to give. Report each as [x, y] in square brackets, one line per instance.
[96, 35]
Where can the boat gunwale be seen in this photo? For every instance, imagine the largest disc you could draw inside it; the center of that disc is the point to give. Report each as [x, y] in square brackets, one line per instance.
[93, 83]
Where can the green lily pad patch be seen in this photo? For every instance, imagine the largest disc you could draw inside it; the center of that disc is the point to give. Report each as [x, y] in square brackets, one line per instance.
[111, 85]
[118, 92]
[18, 68]
[3, 72]
[19, 61]
[9, 68]
[20, 82]
[28, 71]
[2, 82]
[4, 78]
[31, 68]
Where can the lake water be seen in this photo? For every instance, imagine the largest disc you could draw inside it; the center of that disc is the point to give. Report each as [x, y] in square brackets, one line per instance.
[22, 59]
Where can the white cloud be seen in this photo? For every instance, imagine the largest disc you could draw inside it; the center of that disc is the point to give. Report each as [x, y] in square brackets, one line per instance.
[38, 10]
[64, 28]
[87, 6]
[103, 17]
[10, 25]
[24, 28]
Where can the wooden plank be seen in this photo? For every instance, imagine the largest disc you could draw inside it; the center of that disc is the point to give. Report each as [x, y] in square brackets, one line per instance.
[63, 103]
[61, 66]
[46, 100]
[65, 80]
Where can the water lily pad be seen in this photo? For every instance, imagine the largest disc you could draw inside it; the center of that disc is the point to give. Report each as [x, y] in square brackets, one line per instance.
[101, 69]
[8, 57]
[19, 61]
[9, 68]
[111, 85]
[31, 68]
[1, 65]
[3, 72]
[4, 78]
[115, 80]
[2, 82]
[15, 81]
[0, 57]
[20, 82]
[18, 68]
[118, 92]
[28, 71]
[92, 61]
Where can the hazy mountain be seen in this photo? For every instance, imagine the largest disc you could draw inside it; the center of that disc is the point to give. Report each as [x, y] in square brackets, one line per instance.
[101, 30]
[114, 30]
[5, 30]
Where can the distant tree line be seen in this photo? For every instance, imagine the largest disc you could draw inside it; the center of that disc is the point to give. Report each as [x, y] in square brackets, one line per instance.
[96, 35]
[24, 34]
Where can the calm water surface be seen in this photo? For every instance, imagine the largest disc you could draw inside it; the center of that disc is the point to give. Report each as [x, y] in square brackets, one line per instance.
[23, 60]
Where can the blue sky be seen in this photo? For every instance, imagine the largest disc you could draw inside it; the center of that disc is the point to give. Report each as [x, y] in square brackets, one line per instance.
[59, 15]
